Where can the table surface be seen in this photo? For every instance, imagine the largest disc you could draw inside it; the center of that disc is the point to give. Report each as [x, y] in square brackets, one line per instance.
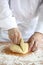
[9, 58]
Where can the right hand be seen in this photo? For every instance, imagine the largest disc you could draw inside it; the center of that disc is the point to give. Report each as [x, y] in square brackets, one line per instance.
[15, 35]
[35, 41]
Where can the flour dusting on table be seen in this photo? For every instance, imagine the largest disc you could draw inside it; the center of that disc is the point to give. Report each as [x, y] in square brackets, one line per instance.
[35, 58]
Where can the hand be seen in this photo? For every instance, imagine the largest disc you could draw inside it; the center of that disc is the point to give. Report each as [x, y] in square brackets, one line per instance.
[35, 41]
[14, 35]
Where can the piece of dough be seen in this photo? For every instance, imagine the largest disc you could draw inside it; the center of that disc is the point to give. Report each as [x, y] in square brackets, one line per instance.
[16, 48]
[22, 48]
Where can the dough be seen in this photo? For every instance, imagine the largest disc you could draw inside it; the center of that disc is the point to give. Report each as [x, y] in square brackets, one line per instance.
[22, 48]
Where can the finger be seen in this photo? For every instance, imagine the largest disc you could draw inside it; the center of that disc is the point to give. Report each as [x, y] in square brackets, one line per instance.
[19, 38]
[15, 38]
[11, 37]
[31, 45]
[34, 48]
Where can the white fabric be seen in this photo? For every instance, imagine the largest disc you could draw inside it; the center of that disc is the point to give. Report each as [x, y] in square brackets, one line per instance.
[8, 23]
[24, 10]
[6, 19]
[4, 35]
[39, 27]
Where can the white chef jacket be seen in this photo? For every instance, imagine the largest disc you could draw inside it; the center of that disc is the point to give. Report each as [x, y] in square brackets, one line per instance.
[6, 20]
[23, 11]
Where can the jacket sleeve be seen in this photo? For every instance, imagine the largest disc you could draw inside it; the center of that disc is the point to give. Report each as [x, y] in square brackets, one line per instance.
[6, 19]
[40, 21]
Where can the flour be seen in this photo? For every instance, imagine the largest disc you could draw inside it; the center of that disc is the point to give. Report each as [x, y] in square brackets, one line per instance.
[35, 58]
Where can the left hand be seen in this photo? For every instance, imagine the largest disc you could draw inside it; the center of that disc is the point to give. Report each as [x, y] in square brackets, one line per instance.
[35, 41]
[15, 35]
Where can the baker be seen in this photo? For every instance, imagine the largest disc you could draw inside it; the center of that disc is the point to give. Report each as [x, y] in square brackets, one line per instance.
[30, 26]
